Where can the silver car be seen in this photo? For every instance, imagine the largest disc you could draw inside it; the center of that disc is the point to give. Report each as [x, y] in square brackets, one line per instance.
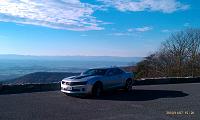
[94, 81]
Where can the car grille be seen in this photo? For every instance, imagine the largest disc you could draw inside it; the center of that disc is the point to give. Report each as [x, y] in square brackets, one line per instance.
[74, 83]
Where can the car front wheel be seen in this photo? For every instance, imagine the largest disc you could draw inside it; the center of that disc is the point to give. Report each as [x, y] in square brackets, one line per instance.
[97, 90]
[129, 85]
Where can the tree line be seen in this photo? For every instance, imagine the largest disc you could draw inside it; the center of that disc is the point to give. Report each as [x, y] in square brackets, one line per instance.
[178, 56]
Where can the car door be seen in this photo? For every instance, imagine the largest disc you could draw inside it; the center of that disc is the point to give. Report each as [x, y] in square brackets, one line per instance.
[113, 79]
[119, 77]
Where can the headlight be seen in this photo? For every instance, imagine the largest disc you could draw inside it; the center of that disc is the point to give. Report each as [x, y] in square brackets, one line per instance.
[63, 82]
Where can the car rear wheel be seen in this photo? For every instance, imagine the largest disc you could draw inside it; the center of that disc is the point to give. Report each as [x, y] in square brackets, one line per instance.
[129, 84]
[97, 90]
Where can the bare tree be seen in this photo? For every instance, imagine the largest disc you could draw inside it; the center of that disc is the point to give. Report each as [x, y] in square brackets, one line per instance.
[179, 55]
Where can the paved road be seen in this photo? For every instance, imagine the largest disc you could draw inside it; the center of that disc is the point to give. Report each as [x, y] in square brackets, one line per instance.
[152, 102]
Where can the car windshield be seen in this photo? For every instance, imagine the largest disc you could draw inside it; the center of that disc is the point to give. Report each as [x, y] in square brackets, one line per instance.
[95, 72]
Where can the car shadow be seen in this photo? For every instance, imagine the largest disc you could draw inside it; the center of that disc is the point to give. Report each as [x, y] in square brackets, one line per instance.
[141, 95]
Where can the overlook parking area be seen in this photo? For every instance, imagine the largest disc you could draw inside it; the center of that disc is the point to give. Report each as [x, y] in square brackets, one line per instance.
[146, 102]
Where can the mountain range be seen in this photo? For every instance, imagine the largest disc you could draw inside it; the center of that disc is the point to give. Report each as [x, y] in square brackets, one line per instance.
[76, 58]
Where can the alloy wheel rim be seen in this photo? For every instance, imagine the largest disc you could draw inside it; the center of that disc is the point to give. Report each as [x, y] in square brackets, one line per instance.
[98, 91]
[129, 85]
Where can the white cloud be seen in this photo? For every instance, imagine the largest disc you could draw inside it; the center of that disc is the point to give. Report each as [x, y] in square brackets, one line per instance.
[83, 35]
[120, 34]
[58, 14]
[165, 30]
[130, 30]
[186, 24]
[143, 29]
[123, 34]
[165, 6]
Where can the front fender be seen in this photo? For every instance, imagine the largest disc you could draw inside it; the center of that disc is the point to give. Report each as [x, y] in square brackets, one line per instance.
[93, 81]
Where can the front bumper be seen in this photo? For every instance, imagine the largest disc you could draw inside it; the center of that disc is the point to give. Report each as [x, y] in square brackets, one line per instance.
[76, 89]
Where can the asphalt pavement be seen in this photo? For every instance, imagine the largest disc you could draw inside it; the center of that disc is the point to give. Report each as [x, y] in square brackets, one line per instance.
[148, 102]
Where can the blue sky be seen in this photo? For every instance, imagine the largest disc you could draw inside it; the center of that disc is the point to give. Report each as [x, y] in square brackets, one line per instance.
[125, 28]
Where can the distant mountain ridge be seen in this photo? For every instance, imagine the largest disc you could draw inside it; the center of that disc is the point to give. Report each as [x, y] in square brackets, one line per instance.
[40, 78]
[14, 66]
[49, 77]
[82, 58]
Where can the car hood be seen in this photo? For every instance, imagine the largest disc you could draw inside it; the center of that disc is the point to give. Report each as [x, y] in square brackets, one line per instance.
[80, 78]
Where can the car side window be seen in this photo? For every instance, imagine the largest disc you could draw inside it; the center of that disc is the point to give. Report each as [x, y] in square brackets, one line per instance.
[118, 71]
[114, 72]
[111, 72]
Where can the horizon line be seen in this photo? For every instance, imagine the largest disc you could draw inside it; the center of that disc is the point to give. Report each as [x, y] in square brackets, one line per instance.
[70, 55]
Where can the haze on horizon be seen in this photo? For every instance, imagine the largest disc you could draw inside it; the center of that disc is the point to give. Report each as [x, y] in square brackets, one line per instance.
[128, 28]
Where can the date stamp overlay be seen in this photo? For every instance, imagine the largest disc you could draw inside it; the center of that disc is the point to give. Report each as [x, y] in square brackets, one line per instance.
[180, 113]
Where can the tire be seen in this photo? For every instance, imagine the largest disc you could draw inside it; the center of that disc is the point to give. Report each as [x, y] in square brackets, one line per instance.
[97, 90]
[129, 84]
